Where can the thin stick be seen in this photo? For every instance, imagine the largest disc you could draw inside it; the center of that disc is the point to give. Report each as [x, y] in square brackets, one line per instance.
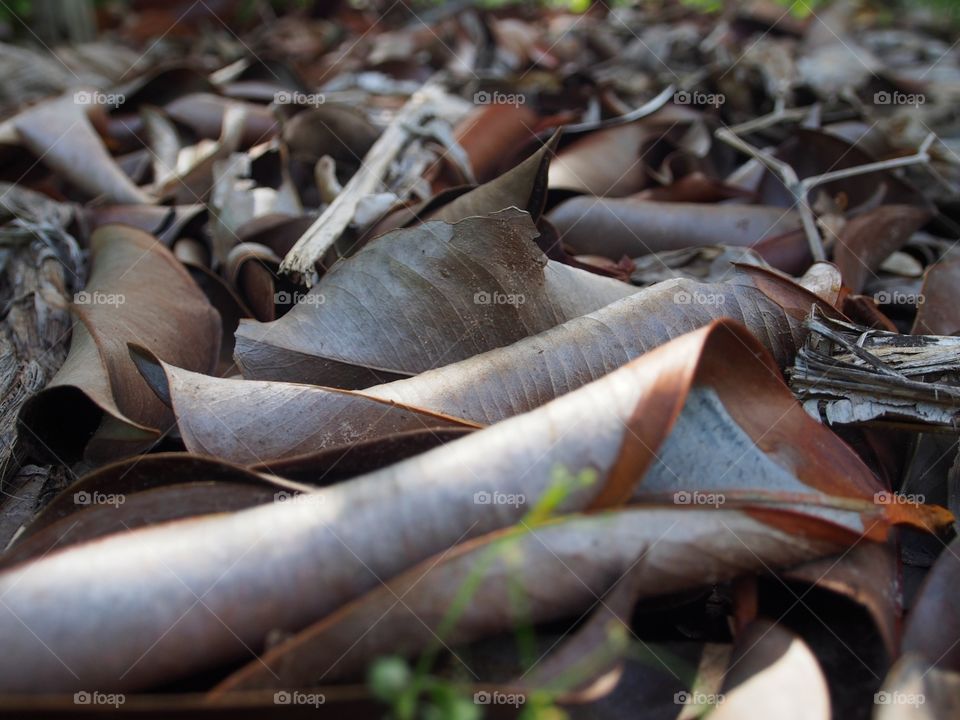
[790, 180]
[780, 114]
[800, 189]
[921, 156]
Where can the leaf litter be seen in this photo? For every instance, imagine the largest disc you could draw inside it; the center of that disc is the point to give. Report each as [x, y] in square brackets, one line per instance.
[459, 360]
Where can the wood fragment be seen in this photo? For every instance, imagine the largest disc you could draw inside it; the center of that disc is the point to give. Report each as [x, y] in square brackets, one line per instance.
[40, 266]
[850, 374]
[320, 237]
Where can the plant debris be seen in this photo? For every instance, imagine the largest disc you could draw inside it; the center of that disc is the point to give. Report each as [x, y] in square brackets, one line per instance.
[450, 360]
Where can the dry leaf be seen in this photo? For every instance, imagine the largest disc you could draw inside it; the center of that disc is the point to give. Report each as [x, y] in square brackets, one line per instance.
[98, 403]
[258, 567]
[419, 298]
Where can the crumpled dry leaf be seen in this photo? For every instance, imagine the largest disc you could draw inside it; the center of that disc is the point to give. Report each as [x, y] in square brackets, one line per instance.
[98, 404]
[500, 383]
[524, 186]
[224, 418]
[340, 131]
[205, 114]
[60, 133]
[812, 152]
[165, 223]
[914, 691]
[578, 558]
[622, 422]
[609, 161]
[939, 313]
[141, 491]
[934, 622]
[491, 132]
[180, 570]
[419, 298]
[869, 574]
[617, 227]
[866, 241]
[773, 672]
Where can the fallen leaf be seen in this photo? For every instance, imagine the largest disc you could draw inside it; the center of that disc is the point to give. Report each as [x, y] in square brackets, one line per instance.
[621, 420]
[914, 691]
[59, 133]
[524, 187]
[938, 313]
[867, 240]
[97, 403]
[579, 558]
[491, 386]
[491, 132]
[205, 114]
[773, 672]
[427, 296]
[609, 161]
[934, 621]
[137, 492]
[614, 227]
[340, 131]
[224, 418]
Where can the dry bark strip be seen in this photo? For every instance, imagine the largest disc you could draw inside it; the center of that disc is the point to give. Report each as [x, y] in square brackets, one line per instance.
[847, 374]
[39, 265]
